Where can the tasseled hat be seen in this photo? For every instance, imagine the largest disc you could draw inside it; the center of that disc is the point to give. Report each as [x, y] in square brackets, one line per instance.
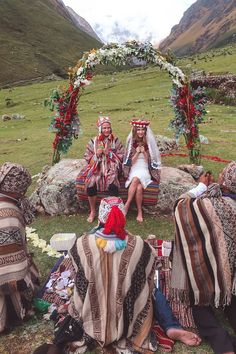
[101, 120]
[112, 215]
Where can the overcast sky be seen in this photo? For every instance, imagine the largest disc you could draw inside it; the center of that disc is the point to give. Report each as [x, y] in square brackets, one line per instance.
[118, 21]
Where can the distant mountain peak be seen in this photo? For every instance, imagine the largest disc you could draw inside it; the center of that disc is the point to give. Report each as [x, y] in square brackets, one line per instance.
[82, 24]
[205, 24]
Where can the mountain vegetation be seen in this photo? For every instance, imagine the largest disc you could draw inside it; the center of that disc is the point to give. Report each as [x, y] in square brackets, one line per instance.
[38, 38]
[206, 24]
[122, 95]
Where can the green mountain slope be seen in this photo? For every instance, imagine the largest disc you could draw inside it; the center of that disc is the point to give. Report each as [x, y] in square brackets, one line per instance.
[206, 24]
[36, 40]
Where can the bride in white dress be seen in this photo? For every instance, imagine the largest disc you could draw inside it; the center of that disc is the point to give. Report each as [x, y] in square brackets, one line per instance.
[142, 158]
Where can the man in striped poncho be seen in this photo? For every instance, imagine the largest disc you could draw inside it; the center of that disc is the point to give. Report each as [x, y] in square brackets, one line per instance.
[18, 275]
[112, 305]
[204, 264]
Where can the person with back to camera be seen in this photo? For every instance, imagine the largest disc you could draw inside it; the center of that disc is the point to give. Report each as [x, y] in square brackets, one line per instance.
[112, 304]
[142, 163]
[104, 155]
[18, 274]
[204, 262]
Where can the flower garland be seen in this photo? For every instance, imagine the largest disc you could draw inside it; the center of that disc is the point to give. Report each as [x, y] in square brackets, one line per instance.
[189, 109]
[32, 236]
[66, 122]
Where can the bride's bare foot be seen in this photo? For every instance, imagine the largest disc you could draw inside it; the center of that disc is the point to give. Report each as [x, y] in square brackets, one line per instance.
[91, 217]
[139, 218]
[186, 337]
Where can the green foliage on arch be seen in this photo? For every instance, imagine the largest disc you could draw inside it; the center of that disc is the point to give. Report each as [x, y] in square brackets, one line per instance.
[188, 104]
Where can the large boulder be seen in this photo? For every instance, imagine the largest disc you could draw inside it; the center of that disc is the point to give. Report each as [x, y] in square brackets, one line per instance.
[174, 182]
[56, 190]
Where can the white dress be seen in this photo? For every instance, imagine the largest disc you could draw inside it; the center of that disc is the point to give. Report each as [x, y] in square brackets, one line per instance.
[140, 170]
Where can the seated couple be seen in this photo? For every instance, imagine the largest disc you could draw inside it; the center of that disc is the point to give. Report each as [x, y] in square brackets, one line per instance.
[107, 161]
[114, 301]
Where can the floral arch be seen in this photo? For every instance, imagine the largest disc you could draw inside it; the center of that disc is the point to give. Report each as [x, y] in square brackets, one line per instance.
[188, 103]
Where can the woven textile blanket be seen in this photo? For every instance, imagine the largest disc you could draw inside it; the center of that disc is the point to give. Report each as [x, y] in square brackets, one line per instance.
[150, 194]
[164, 254]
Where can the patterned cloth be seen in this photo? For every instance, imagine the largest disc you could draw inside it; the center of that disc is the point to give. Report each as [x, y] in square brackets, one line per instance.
[204, 265]
[150, 194]
[15, 179]
[182, 311]
[106, 205]
[18, 274]
[112, 299]
[228, 177]
[103, 170]
[154, 157]
[154, 172]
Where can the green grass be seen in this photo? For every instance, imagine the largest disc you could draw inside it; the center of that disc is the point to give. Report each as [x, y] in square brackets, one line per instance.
[122, 95]
[36, 41]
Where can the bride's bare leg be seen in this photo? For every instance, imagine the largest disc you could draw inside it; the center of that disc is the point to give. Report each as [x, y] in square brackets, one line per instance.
[131, 192]
[92, 203]
[139, 201]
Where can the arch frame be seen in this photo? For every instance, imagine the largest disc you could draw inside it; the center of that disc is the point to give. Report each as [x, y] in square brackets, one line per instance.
[188, 104]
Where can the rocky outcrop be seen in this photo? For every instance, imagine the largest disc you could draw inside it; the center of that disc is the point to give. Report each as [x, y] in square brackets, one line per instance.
[166, 144]
[56, 190]
[206, 24]
[82, 24]
[224, 84]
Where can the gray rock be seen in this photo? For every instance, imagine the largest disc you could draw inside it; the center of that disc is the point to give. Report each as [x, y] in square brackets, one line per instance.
[56, 190]
[166, 144]
[194, 170]
[174, 182]
[6, 117]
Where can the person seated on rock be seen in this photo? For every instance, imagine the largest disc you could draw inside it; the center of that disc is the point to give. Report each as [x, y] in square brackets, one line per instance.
[204, 262]
[104, 156]
[142, 163]
[112, 304]
[18, 274]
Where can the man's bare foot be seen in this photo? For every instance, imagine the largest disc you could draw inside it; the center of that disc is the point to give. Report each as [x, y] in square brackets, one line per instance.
[91, 217]
[139, 218]
[186, 337]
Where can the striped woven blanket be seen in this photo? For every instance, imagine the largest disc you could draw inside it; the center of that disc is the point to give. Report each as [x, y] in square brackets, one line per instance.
[201, 268]
[150, 194]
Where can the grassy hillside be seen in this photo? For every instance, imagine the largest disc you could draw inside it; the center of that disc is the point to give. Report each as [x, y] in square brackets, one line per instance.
[121, 95]
[37, 41]
[205, 24]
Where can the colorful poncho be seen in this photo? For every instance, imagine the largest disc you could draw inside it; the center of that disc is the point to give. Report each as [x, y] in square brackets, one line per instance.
[204, 264]
[105, 169]
[112, 299]
[18, 274]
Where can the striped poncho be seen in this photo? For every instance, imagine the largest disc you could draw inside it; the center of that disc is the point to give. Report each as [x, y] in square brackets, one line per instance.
[104, 170]
[113, 293]
[17, 272]
[204, 264]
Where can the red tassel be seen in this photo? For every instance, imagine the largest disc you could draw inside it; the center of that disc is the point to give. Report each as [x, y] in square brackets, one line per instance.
[115, 223]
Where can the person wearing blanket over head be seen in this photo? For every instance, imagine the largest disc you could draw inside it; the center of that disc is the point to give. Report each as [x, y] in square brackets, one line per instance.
[112, 304]
[204, 262]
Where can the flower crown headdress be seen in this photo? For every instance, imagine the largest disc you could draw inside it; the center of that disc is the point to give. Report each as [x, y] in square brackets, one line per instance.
[142, 123]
